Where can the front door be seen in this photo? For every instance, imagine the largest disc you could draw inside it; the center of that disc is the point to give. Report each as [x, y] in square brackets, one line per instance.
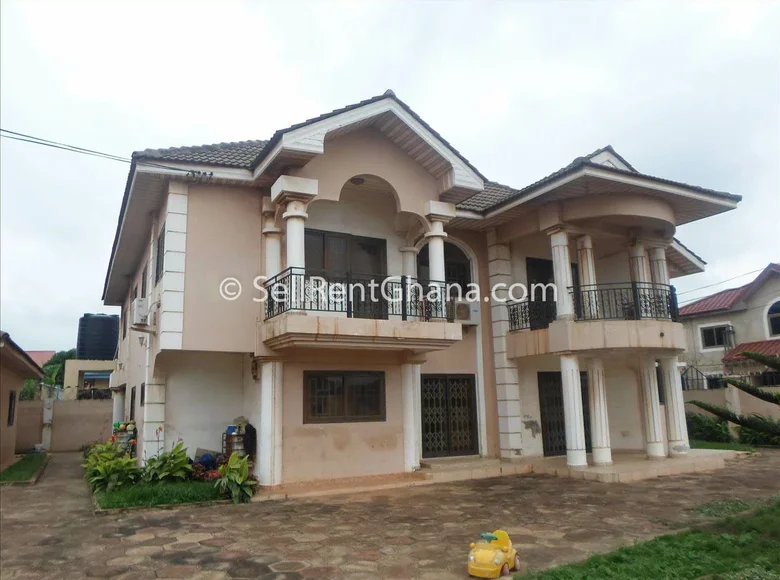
[553, 420]
[449, 415]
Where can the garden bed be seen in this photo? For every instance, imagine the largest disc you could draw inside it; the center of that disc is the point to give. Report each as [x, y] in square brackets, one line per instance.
[734, 446]
[26, 471]
[160, 495]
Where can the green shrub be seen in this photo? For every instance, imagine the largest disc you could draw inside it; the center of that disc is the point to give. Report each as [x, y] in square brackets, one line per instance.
[149, 494]
[752, 437]
[235, 481]
[112, 474]
[172, 465]
[706, 428]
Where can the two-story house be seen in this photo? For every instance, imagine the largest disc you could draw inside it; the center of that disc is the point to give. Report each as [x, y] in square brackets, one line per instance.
[722, 325]
[339, 384]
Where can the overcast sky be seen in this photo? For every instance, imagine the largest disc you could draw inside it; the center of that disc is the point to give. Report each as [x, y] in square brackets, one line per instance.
[687, 91]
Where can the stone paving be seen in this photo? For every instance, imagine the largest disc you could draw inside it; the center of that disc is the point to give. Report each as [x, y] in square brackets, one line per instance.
[49, 531]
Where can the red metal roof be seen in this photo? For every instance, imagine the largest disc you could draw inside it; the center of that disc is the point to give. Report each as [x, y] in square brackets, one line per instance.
[726, 299]
[41, 357]
[769, 347]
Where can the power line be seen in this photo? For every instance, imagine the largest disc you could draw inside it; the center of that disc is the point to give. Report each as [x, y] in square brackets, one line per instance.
[83, 151]
[716, 284]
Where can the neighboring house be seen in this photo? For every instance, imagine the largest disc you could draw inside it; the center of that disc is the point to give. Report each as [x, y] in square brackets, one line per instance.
[721, 326]
[41, 357]
[15, 367]
[342, 386]
[87, 376]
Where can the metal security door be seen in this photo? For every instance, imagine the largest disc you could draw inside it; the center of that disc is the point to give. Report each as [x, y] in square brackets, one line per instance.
[449, 415]
[553, 420]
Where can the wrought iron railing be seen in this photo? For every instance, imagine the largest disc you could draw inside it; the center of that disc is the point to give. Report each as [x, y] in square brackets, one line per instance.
[531, 314]
[357, 295]
[93, 394]
[625, 301]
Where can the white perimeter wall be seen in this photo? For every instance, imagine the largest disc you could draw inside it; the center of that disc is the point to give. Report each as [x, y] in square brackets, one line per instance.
[204, 393]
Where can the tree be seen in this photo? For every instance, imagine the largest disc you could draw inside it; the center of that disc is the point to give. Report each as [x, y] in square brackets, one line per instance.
[765, 427]
[53, 375]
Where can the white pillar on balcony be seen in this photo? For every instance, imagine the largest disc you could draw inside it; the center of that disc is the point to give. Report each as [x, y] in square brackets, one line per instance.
[408, 394]
[651, 410]
[674, 405]
[269, 461]
[294, 193]
[599, 419]
[637, 261]
[587, 275]
[576, 456]
[272, 240]
[436, 251]
[659, 271]
[559, 244]
[408, 261]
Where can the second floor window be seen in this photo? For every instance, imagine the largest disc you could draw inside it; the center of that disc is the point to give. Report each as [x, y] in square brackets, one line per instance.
[124, 322]
[159, 255]
[143, 282]
[774, 319]
[714, 336]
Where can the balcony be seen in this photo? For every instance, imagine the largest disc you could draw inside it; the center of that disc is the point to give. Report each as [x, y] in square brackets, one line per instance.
[630, 315]
[306, 309]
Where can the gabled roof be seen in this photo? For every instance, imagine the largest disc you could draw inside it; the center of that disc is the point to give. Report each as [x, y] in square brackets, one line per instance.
[19, 354]
[727, 299]
[767, 347]
[41, 357]
[500, 195]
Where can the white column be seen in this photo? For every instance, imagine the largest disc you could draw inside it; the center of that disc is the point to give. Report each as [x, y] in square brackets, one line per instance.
[408, 261]
[599, 419]
[118, 410]
[659, 272]
[576, 456]
[411, 462]
[269, 469]
[654, 437]
[417, 375]
[154, 418]
[587, 274]
[510, 423]
[559, 244]
[436, 251]
[295, 224]
[637, 261]
[676, 427]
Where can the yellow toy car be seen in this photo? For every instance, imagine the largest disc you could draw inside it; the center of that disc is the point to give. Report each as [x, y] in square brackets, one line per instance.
[493, 556]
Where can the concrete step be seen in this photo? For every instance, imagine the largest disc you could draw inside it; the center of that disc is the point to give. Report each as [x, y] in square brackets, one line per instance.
[459, 463]
[463, 468]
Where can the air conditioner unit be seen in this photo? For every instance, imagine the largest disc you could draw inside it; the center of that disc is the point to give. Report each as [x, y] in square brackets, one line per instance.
[140, 312]
[466, 312]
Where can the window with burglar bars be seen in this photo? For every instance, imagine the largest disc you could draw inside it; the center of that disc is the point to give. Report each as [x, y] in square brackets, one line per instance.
[343, 396]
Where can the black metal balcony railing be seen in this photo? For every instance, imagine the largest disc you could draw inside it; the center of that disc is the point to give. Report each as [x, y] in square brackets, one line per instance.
[625, 301]
[621, 301]
[295, 289]
[531, 315]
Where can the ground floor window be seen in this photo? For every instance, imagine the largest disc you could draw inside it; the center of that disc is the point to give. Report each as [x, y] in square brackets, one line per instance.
[343, 396]
[11, 407]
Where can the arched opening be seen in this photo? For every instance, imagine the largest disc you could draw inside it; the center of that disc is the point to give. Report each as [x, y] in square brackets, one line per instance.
[457, 265]
[773, 319]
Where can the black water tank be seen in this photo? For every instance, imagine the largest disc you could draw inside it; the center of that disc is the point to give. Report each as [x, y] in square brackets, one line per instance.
[98, 334]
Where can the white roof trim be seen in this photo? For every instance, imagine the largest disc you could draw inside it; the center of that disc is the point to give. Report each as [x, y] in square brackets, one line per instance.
[688, 255]
[311, 139]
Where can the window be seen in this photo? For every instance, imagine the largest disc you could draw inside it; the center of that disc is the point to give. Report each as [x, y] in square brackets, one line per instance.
[132, 404]
[135, 291]
[659, 375]
[714, 336]
[159, 255]
[343, 396]
[143, 394]
[124, 322]
[774, 319]
[143, 281]
[11, 407]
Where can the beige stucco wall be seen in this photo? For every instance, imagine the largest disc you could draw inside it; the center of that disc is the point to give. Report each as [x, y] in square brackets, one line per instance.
[336, 450]
[368, 152]
[74, 373]
[203, 395]
[29, 425]
[10, 380]
[224, 237]
[75, 423]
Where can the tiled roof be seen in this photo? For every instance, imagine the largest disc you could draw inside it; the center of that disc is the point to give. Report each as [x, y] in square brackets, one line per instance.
[237, 154]
[768, 347]
[726, 299]
[41, 357]
[722, 300]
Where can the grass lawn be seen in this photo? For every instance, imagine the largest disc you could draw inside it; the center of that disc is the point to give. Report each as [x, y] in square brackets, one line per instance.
[149, 494]
[696, 444]
[23, 469]
[745, 547]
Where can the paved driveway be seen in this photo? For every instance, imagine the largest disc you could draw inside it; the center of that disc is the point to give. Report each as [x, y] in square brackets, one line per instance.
[48, 531]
